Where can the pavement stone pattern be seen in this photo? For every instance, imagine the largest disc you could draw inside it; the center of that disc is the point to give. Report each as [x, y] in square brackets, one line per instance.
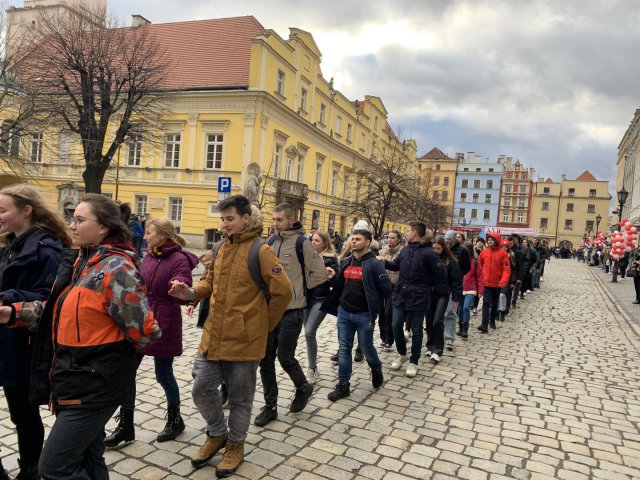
[554, 393]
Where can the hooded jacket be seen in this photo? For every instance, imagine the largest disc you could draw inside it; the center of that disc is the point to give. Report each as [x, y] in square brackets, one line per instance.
[391, 254]
[159, 267]
[420, 269]
[473, 281]
[285, 247]
[96, 316]
[29, 265]
[240, 318]
[495, 265]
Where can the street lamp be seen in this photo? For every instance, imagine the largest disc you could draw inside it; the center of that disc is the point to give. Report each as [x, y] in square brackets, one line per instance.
[464, 223]
[598, 220]
[622, 199]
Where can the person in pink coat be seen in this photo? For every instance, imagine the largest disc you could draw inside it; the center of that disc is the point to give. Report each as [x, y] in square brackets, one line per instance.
[472, 287]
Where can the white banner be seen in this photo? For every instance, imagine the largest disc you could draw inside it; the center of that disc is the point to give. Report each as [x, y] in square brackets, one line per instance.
[527, 232]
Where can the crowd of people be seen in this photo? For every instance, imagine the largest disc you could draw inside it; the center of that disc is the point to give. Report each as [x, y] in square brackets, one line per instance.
[80, 309]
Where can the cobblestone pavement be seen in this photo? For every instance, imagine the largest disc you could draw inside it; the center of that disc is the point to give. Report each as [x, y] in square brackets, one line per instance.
[552, 394]
[622, 294]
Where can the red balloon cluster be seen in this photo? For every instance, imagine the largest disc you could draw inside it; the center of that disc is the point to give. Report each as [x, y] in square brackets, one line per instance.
[624, 240]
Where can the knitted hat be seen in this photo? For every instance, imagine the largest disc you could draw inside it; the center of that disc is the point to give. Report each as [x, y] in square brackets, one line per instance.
[361, 225]
[450, 236]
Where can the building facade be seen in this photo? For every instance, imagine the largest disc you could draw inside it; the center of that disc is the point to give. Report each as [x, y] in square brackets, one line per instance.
[565, 212]
[628, 170]
[242, 103]
[438, 177]
[477, 193]
[515, 194]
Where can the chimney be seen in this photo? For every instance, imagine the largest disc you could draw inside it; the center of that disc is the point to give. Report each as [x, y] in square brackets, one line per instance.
[139, 21]
[460, 157]
[564, 177]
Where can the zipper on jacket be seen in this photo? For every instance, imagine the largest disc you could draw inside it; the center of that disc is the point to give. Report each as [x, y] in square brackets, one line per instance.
[77, 318]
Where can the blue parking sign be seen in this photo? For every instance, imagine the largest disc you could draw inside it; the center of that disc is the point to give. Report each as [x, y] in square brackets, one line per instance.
[224, 184]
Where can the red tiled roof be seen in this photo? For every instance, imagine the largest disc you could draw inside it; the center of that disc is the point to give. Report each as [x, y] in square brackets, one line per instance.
[435, 154]
[207, 54]
[586, 177]
[392, 134]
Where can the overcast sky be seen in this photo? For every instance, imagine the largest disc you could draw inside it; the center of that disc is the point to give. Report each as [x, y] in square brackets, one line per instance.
[552, 83]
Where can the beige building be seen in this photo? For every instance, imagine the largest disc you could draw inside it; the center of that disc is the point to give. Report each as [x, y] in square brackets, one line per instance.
[565, 212]
[628, 160]
[516, 191]
[438, 176]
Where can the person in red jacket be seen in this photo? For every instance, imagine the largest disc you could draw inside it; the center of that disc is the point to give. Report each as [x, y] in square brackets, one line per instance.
[496, 270]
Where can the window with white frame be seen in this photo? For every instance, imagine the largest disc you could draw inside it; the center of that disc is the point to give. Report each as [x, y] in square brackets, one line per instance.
[436, 181]
[277, 159]
[300, 170]
[523, 189]
[505, 216]
[349, 131]
[507, 189]
[323, 114]
[175, 209]
[280, 83]
[521, 203]
[463, 197]
[215, 144]
[476, 184]
[545, 205]
[568, 224]
[486, 215]
[520, 217]
[476, 197]
[544, 222]
[334, 182]
[487, 198]
[591, 208]
[134, 153]
[303, 99]
[288, 168]
[461, 212]
[9, 139]
[36, 147]
[445, 195]
[465, 184]
[172, 150]
[338, 125]
[362, 141]
[445, 181]
[474, 213]
[490, 184]
[140, 202]
[507, 202]
[318, 178]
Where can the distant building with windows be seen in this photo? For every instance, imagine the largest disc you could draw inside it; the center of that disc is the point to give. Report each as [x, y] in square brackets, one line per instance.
[438, 176]
[477, 193]
[565, 212]
[515, 194]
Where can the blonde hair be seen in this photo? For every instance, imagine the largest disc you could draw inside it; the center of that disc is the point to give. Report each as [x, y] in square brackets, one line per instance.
[346, 249]
[328, 243]
[167, 229]
[42, 216]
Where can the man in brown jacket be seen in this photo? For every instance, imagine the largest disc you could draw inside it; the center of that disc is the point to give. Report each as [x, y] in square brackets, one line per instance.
[234, 336]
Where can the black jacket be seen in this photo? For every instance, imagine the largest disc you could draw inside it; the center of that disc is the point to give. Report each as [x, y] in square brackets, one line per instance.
[322, 291]
[462, 256]
[29, 271]
[517, 273]
[420, 268]
[451, 285]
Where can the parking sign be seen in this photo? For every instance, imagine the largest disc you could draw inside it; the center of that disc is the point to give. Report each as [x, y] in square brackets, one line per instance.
[224, 184]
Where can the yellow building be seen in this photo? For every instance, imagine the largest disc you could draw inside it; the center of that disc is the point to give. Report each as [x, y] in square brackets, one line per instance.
[438, 176]
[565, 212]
[244, 103]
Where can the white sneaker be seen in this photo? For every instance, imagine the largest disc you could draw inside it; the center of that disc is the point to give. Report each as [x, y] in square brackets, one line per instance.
[449, 345]
[428, 353]
[312, 375]
[412, 370]
[398, 362]
[407, 335]
[435, 358]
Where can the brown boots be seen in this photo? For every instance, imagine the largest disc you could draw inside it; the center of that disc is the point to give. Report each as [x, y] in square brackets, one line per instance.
[231, 459]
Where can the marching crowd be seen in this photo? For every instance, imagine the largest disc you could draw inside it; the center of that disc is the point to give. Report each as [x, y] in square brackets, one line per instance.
[79, 310]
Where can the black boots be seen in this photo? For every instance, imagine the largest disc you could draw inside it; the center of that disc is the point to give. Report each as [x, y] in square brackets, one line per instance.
[174, 426]
[464, 331]
[124, 432]
[28, 472]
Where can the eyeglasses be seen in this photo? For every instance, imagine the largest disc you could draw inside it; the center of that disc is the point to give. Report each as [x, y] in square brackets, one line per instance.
[79, 221]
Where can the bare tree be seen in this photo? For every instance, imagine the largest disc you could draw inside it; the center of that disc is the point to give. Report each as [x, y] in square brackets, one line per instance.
[383, 186]
[100, 81]
[432, 212]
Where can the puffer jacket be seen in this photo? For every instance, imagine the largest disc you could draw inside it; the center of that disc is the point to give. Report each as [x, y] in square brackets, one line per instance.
[391, 254]
[239, 317]
[420, 269]
[473, 281]
[159, 267]
[451, 285]
[29, 265]
[495, 265]
[285, 247]
[97, 316]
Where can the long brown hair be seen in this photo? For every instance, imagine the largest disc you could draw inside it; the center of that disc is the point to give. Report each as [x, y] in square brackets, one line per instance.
[42, 216]
[447, 256]
[166, 228]
[108, 214]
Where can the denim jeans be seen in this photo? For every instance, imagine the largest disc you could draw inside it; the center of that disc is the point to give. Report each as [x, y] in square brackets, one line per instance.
[313, 317]
[29, 428]
[416, 322]
[282, 343]
[75, 447]
[490, 305]
[350, 323]
[467, 304]
[165, 377]
[435, 323]
[240, 378]
[450, 318]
